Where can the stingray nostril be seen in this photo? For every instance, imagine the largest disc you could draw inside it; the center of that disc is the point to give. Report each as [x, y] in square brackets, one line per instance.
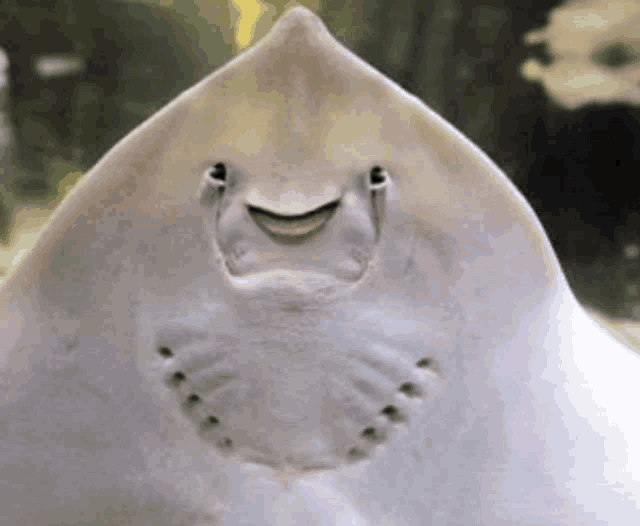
[409, 389]
[424, 363]
[178, 377]
[218, 172]
[392, 413]
[429, 366]
[225, 443]
[371, 434]
[165, 352]
[192, 400]
[211, 421]
[378, 178]
[356, 453]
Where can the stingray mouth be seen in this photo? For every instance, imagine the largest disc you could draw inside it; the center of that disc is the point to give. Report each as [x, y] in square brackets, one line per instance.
[305, 257]
[295, 412]
[296, 228]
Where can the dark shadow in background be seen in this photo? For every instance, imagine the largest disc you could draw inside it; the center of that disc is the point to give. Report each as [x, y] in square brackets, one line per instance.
[138, 57]
[576, 168]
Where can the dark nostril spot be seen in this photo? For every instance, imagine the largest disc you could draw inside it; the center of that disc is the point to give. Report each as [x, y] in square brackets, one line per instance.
[165, 352]
[409, 389]
[356, 453]
[371, 434]
[377, 175]
[424, 363]
[218, 172]
[226, 443]
[178, 377]
[211, 421]
[392, 413]
[192, 400]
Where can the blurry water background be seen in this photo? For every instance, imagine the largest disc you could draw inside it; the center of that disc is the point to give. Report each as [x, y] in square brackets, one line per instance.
[550, 90]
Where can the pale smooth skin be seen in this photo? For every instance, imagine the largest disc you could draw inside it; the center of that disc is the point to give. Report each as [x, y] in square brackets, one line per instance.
[526, 415]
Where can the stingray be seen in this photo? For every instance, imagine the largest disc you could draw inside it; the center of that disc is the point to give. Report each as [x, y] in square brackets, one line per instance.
[296, 295]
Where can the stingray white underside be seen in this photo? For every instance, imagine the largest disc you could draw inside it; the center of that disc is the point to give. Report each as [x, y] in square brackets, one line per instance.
[297, 296]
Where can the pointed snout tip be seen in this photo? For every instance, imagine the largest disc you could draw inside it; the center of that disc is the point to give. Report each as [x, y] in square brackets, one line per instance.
[299, 17]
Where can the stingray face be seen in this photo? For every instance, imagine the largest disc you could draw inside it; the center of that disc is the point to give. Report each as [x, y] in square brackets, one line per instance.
[296, 267]
[291, 250]
[310, 238]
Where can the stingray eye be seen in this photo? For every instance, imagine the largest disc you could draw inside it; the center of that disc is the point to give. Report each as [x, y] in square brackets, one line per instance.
[378, 178]
[217, 174]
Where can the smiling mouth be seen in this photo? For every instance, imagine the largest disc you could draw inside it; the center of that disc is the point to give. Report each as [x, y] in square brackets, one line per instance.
[293, 228]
